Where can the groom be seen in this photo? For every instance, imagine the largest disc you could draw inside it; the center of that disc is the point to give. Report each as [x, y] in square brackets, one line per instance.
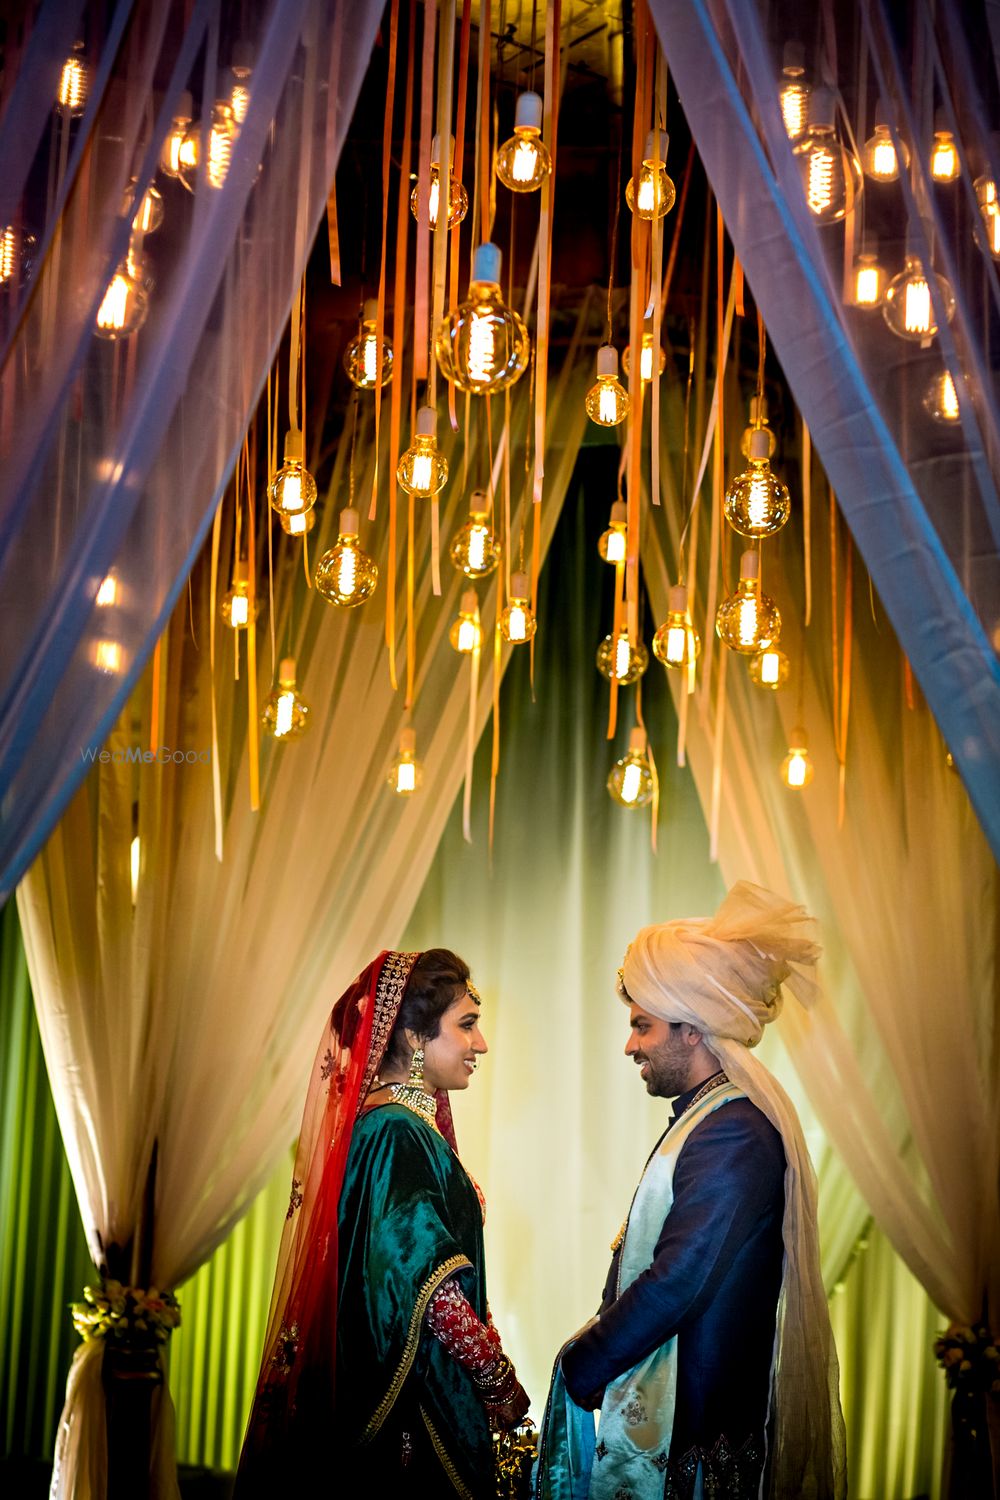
[697, 1382]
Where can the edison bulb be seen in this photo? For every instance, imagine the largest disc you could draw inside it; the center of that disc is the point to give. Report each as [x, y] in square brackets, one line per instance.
[483, 346]
[176, 154]
[797, 766]
[361, 355]
[466, 633]
[748, 620]
[237, 608]
[654, 195]
[298, 524]
[645, 358]
[879, 157]
[423, 470]
[794, 92]
[770, 668]
[123, 307]
[944, 164]
[523, 162]
[518, 623]
[458, 198]
[475, 550]
[868, 279]
[406, 773]
[831, 175]
[619, 661]
[607, 401]
[71, 94]
[286, 713]
[613, 543]
[215, 143]
[15, 255]
[757, 504]
[148, 215]
[908, 308]
[989, 212]
[631, 781]
[677, 643]
[107, 594]
[941, 399]
[109, 657]
[292, 488]
[345, 575]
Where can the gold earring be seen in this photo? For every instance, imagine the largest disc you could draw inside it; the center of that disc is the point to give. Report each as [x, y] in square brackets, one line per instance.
[416, 1078]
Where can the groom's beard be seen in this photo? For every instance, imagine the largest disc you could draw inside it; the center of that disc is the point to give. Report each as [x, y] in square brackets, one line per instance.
[667, 1068]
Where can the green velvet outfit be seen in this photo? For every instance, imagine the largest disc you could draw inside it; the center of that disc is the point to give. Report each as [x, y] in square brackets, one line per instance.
[405, 1411]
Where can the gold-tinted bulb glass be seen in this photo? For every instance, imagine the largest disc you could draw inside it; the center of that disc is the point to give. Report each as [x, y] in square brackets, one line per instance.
[797, 766]
[475, 550]
[346, 575]
[523, 162]
[215, 142]
[880, 159]
[908, 307]
[868, 281]
[769, 669]
[458, 199]
[518, 623]
[630, 782]
[748, 621]
[292, 489]
[945, 165]
[757, 504]
[422, 470]
[361, 358]
[645, 358]
[619, 661]
[236, 609]
[941, 399]
[677, 643]
[123, 307]
[483, 346]
[286, 713]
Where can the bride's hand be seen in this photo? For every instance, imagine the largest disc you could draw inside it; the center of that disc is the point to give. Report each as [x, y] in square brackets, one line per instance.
[511, 1412]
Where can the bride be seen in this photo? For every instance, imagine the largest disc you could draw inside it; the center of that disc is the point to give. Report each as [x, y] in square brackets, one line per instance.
[380, 1345]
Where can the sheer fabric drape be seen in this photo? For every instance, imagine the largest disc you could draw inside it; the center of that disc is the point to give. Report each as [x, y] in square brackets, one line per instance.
[116, 451]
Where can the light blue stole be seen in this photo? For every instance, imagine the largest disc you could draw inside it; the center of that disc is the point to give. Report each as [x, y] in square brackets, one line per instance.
[630, 1451]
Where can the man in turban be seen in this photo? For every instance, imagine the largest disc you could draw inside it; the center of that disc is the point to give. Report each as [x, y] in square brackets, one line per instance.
[712, 1359]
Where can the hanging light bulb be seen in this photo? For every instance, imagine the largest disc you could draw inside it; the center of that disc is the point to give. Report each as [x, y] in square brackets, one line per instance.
[831, 175]
[298, 524]
[466, 632]
[406, 772]
[236, 608]
[654, 197]
[148, 216]
[518, 623]
[613, 542]
[108, 657]
[345, 575]
[292, 488]
[475, 550]
[123, 308]
[458, 198]
[770, 668]
[483, 346]
[758, 423]
[607, 401]
[989, 208]
[631, 780]
[945, 165]
[677, 643]
[71, 95]
[216, 144]
[423, 470]
[941, 399]
[645, 356]
[134, 865]
[176, 154]
[879, 157]
[523, 162]
[757, 504]
[793, 93]
[908, 307]
[748, 621]
[797, 766]
[361, 355]
[868, 277]
[286, 713]
[241, 69]
[619, 661]
[15, 255]
[107, 594]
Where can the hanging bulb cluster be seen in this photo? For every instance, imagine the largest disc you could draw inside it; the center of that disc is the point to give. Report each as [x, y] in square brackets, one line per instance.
[645, 355]
[831, 174]
[518, 623]
[653, 197]
[677, 643]
[423, 469]
[748, 620]
[619, 661]
[475, 550]
[458, 198]
[944, 163]
[941, 399]
[880, 159]
[613, 543]
[770, 669]
[236, 609]
[607, 401]
[466, 633]
[757, 504]
[631, 782]
[483, 346]
[345, 575]
[797, 766]
[286, 713]
[361, 355]
[908, 307]
[74, 81]
[868, 278]
[292, 489]
[793, 91]
[406, 772]
[523, 162]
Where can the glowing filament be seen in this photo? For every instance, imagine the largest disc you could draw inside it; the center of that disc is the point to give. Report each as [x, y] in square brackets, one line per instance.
[239, 611]
[477, 547]
[298, 523]
[759, 502]
[517, 628]
[623, 657]
[917, 306]
[433, 199]
[72, 85]
[369, 355]
[111, 313]
[616, 545]
[794, 97]
[944, 158]
[769, 668]
[608, 408]
[482, 350]
[647, 199]
[747, 627]
[525, 161]
[406, 776]
[220, 154]
[135, 852]
[866, 286]
[676, 645]
[646, 363]
[423, 476]
[884, 160]
[819, 193]
[8, 253]
[347, 571]
[283, 711]
[240, 102]
[108, 591]
[143, 221]
[949, 398]
[108, 656]
[795, 771]
[468, 636]
[631, 782]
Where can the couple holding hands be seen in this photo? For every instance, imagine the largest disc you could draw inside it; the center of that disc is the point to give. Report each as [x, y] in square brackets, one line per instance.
[711, 1362]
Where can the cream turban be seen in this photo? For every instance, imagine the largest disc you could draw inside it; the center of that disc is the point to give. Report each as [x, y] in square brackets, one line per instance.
[723, 974]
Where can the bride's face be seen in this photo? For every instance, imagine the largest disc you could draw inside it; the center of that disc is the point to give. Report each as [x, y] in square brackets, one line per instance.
[450, 1057]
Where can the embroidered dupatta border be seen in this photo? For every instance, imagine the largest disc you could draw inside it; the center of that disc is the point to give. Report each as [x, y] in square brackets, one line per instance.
[430, 1286]
[445, 1460]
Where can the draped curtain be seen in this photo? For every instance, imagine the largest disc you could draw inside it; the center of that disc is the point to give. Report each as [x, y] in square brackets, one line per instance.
[116, 452]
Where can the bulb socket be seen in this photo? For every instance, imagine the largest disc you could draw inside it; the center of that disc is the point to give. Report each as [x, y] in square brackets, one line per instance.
[486, 262]
[749, 566]
[349, 521]
[407, 741]
[436, 150]
[242, 63]
[369, 313]
[528, 112]
[677, 599]
[758, 410]
[286, 671]
[426, 421]
[942, 124]
[607, 361]
[470, 602]
[657, 142]
[637, 741]
[185, 107]
[822, 109]
[760, 443]
[793, 59]
[798, 739]
[479, 503]
[619, 513]
[520, 586]
[241, 570]
[293, 446]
